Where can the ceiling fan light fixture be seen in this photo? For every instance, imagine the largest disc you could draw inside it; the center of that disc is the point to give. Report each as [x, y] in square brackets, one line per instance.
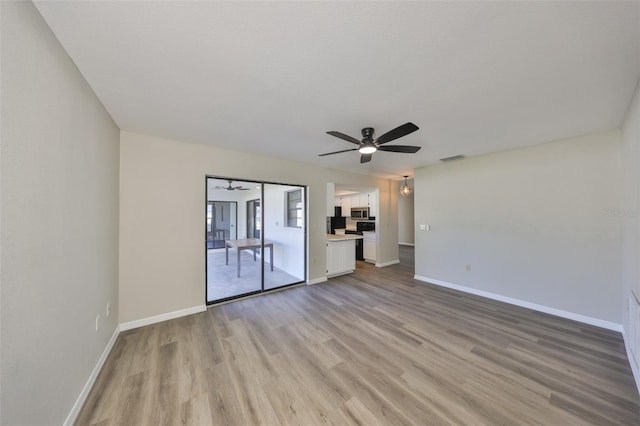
[368, 149]
[405, 189]
[369, 145]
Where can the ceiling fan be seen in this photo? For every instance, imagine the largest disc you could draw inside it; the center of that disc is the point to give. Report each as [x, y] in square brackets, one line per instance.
[368, 145]
[232, 188]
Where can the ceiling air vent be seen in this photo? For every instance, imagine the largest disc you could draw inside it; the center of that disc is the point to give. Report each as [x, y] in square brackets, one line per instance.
[452, 158]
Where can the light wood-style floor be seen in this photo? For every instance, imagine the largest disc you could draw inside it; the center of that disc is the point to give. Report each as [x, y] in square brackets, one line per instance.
[374, 347]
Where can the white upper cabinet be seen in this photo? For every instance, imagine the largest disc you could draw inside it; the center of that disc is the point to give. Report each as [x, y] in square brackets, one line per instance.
[360, 200]
[365, 199]
[346, 206]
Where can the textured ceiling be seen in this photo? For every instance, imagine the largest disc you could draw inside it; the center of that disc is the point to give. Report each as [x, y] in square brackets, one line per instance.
[273, 77]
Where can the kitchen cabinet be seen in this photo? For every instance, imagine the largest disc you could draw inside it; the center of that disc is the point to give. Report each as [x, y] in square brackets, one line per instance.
[358, 200]
[346, 206]
[341, 254]
[369, 249]
[345, 203]
[363, 200]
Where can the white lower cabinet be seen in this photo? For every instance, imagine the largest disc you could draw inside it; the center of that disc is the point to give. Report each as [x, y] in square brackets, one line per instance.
[369, 248]
[341, 257]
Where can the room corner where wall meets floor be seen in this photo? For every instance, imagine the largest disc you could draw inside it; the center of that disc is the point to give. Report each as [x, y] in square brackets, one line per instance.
[537, 227]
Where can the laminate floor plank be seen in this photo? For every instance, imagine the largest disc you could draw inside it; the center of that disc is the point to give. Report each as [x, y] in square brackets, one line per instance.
[375, 347]
[224, 404]
[359, 415]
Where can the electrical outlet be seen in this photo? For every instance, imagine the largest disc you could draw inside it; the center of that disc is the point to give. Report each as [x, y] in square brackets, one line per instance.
[468, 267]
[98, 323]
[108, 309]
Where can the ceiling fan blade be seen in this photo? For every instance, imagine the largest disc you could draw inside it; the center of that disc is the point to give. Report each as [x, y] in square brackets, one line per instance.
[407, 149]
[344, 137]
[365, 158]
[396, 133]
[220, 187]
[338, 152]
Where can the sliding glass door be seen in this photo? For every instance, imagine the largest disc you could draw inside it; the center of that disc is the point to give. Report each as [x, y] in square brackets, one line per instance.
[255, 237]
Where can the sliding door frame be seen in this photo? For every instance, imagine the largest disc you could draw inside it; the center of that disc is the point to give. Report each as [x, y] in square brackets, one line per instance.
[305, 234]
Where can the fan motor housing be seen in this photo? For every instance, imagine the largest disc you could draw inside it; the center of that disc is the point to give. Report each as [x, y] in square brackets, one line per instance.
[367, 133]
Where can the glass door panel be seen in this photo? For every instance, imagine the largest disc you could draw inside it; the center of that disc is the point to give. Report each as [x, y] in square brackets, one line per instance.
[284, 211]
[234, 267]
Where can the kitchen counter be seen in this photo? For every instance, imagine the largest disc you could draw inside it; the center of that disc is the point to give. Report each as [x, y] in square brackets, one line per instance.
[341, 254]
[333, 238]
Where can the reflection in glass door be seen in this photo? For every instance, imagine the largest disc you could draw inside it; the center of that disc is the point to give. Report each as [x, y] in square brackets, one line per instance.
[256, 237]
[254, 218]
[221, 222]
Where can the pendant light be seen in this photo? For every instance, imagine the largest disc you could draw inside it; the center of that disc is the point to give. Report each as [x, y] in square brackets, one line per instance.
[405, 189]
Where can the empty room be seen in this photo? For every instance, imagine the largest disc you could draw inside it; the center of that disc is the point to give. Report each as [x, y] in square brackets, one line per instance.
[310, 213]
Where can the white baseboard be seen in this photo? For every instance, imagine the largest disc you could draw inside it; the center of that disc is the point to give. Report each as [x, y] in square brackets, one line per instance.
[540, 308]
[392, 262]
[75, 410]
[316, 280]
[406, 244]
[162, 317]
[634, 367]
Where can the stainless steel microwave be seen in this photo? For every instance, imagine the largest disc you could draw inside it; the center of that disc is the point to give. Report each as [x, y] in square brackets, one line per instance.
[360, 213]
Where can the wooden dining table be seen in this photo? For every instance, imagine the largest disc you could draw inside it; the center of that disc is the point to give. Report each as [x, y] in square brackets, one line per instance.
[247, 243]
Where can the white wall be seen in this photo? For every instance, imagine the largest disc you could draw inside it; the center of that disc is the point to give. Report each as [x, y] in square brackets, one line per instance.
[629, 209]
[406, 215]
[532, 223]
[164, 272]
[59, 223]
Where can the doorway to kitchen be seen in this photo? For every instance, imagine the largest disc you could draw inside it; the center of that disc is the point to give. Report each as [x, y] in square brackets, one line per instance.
[256, 237]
